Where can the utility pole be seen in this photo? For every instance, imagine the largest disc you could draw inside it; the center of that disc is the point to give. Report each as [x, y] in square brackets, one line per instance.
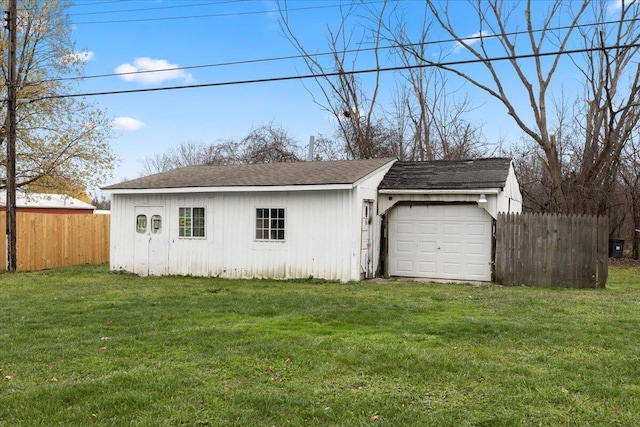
[10, 25]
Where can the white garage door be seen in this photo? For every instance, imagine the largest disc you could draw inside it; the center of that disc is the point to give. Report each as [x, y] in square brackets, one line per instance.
[440, 242]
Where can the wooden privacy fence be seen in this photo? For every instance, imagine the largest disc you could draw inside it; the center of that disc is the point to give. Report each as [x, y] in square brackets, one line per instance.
[57, 240]
[551, 250]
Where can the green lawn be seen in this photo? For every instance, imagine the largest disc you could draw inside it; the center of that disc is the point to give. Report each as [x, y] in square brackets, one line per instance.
[82, 346]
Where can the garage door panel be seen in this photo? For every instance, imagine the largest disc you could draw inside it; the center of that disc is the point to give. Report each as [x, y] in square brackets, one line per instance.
[440, 241]
[450, 269]
[451, 250]
[427, 228]
[427, 267]
[475, 249]
[404, 228]
[404, 246]
[427, 247]
[405, 267]
[452, 229]
[476, 229]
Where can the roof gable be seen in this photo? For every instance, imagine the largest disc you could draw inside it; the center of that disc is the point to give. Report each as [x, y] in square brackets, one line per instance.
[258, 175]
[447, 174]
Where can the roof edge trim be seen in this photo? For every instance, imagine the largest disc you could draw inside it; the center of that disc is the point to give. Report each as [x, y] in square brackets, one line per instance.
[229, 189]
[492, 190]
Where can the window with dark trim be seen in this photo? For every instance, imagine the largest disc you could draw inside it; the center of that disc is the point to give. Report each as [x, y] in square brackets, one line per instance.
[270, 224]
[191, 222]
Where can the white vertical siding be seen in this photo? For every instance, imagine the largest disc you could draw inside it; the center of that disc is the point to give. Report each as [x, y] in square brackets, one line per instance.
[322, 233]
[367, 189]
[510, 198]
[319, 234]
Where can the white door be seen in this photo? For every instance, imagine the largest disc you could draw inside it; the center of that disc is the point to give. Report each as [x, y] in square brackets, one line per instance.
[366, 248]
[150, 242]
[440, 242]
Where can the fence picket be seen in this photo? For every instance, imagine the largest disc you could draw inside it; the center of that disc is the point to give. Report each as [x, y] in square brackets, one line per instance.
[58, 240]
[551, 250]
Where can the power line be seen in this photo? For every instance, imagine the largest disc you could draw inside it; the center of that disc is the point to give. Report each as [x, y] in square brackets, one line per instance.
[212, 15]
[316, 55]
[157, 8]
[427, 64]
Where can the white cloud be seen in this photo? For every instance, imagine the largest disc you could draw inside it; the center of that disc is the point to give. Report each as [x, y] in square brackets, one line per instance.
[127, 123]
[471, 40]
[77, 57]
[147, 71]
[614, 7]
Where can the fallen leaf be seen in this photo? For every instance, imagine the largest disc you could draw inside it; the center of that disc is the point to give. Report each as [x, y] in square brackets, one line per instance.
[288, 360]
[8, 377]
[94, 417]
[105, 338]
[54, 380]
[564, 390]
[109, 322]
[375, 417]
[615, 410]
[269, 368]
[275, 380]
[103, 348]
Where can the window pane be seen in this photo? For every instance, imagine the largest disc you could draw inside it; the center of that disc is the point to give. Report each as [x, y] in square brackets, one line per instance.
[156, 224]
[141, 223]
[182, 222]
[270, 223]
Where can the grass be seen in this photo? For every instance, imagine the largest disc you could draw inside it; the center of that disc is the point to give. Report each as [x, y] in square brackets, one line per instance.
[82, 346]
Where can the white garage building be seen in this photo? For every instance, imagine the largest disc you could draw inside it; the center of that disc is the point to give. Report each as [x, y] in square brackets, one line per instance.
[439, 217]
[279, 220]
[345, 220]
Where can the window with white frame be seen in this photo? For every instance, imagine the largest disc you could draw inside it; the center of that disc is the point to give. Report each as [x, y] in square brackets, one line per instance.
[191, 222]
[270, 223]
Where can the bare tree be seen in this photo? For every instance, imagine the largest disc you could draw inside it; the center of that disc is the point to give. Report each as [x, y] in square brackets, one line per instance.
[425, 120]
[192, 154]
[343, 95]
[630, 177]
[269, 144]
[328, 149]
[605, 113]
[264, 144]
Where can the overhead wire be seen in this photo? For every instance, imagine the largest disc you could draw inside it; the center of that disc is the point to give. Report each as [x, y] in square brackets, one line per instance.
[210, 15]
[427, 64]
[157, 8]
[321, 54]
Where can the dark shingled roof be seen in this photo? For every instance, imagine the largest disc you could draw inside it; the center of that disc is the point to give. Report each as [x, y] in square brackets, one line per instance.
[269, 174]
[447, 174]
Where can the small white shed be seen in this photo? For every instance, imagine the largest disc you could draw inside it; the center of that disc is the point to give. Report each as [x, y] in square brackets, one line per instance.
[285, 220]
[439, 216]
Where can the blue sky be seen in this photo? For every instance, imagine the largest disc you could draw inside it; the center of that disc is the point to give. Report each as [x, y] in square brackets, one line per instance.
[119, 37]
[148, 123]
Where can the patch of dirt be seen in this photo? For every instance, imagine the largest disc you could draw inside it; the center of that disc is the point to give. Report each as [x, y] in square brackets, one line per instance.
[627, 262]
